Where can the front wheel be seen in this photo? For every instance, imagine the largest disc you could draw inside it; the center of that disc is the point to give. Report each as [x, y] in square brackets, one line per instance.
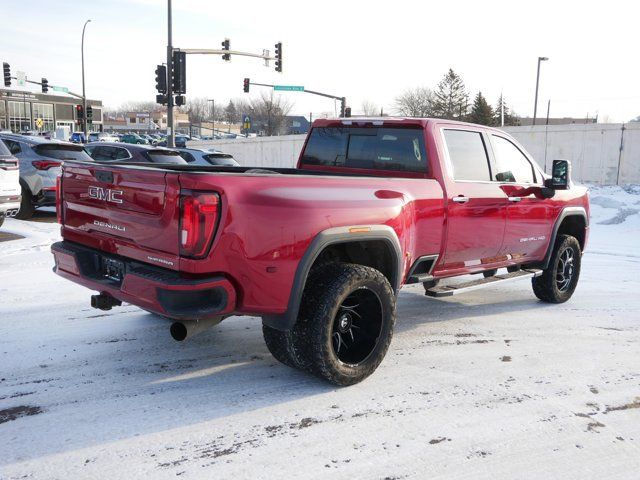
[346, 322]
[558, 282]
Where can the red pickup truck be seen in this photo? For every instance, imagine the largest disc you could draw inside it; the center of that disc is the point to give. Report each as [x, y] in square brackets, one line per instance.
[320, 251]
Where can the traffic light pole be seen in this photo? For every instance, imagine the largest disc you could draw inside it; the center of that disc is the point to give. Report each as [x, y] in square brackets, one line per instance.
[343, 100]
[171, 134]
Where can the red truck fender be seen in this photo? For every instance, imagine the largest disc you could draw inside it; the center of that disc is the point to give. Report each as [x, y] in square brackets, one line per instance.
[573, 221]
[332, 236]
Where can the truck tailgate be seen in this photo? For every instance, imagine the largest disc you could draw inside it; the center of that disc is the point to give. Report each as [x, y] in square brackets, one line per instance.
[126, 211]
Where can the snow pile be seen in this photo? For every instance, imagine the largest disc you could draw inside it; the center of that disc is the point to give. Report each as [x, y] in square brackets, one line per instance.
[617, 207]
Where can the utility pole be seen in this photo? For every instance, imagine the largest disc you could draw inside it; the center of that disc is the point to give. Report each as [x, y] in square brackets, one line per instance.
[535, 106]
[170, 130]
[213, 117]
[84, 95]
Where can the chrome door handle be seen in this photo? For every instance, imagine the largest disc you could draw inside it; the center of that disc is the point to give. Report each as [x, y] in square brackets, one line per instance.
[460, 199]
[515, 199]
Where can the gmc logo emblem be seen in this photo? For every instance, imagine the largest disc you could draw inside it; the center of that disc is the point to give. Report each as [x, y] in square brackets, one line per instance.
[106, 194]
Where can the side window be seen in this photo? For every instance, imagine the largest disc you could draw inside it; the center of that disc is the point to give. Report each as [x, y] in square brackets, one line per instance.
[120, 153]
[14, 147]
[511, 164]
[187, 157]
[468, 155]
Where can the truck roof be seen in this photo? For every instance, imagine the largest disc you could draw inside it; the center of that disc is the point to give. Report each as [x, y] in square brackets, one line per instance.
[388, 121]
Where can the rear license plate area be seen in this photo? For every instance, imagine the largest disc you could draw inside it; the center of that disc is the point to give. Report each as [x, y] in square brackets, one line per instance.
[112, 269]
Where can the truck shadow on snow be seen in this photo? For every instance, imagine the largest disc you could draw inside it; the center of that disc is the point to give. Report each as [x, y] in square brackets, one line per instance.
[148, 383]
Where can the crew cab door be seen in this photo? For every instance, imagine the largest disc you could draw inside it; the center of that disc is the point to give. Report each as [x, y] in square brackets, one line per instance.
[529, 217]
[476, 206]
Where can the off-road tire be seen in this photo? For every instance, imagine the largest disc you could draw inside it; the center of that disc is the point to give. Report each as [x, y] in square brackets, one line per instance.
[26, 205]
[313, 334]
[546, 287]
[490, 273]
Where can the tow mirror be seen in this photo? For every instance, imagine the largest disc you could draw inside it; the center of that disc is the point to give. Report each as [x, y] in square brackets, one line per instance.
[560, 175]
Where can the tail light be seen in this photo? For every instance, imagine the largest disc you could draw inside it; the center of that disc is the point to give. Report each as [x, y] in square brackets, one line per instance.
[59, 199]
[45, 164]
[199, 214]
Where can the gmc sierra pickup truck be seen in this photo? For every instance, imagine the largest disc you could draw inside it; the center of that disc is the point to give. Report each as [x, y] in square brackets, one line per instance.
[320, 251]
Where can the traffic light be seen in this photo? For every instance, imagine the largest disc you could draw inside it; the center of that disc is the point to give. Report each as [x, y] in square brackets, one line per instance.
[180, 100]
[161, 99]
[179, 77]
[226, 45]
[343, 106]
[279, 57]
[7, 74]
[161, 79]
[79, 111]
[45, 85]
[246, 85]
[347, 112]
[89, 113]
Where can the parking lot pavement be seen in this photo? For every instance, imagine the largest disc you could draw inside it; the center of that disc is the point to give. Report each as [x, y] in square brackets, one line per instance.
[492, 384]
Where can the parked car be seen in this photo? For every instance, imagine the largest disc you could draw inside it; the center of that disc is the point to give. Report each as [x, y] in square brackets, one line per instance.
[39, 161]
[9, 184]
[119, 153]
[78, 137]
[204, 157]
[102, 137]
[134, 139]
[320, 252]
[180, 141]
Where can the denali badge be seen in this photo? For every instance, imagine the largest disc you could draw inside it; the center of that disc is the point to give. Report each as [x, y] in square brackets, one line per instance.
[109, 225]
[106, 194]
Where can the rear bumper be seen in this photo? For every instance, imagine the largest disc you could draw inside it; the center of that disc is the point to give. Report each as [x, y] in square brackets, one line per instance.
[151, 288]
[9, 203]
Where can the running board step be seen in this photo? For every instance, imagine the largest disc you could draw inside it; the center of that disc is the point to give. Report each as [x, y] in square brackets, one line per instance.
[448, 290]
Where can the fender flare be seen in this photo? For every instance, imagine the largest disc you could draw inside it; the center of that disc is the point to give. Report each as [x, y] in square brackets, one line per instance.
[331, 236]
[566, 212]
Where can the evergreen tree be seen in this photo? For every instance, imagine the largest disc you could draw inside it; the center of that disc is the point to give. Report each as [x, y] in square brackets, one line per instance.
[231, 113]
[481, 111]
[450, 98]
[510, 118]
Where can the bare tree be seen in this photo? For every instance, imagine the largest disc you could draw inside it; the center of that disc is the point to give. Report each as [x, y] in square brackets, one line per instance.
[268, 113]
[369, 108]
[415, 102]
[199, 110]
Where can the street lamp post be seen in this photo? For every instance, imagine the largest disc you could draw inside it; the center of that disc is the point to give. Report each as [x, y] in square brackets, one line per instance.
[84, 95]
[213, 117]
[535, 106]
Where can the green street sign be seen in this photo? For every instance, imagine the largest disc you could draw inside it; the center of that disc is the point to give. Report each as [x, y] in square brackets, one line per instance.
[289, 88]
[60, 89]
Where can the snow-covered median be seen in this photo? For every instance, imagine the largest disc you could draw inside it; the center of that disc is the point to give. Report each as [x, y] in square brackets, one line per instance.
[491, 384]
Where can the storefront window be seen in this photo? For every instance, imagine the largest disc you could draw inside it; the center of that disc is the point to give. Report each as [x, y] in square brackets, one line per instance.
[43, 111]
[19, 116]
[3, 115]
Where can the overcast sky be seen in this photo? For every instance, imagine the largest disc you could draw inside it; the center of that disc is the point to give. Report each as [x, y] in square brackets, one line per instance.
[364, 50]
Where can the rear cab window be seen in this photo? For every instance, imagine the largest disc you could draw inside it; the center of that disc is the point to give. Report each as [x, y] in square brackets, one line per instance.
[374, 148]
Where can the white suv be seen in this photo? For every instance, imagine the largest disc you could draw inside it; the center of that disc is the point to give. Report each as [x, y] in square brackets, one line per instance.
[9, 184]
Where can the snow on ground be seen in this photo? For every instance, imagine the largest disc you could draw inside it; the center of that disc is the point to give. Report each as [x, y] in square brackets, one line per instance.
[491, 384]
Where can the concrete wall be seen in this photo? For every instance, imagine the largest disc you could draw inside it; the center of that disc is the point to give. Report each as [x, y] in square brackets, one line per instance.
[599, 153]
[279, 151]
